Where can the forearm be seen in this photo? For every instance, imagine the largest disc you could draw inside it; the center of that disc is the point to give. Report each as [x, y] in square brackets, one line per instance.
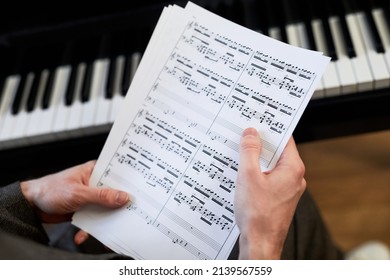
[17, 216]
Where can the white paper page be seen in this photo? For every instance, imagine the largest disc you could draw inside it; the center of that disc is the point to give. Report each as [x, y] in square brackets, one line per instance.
[174, 145]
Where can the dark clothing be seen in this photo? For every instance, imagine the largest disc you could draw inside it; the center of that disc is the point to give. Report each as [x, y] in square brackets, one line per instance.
[22, 236]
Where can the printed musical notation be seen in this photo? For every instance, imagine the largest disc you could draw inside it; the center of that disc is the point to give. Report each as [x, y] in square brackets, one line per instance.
[175, 145]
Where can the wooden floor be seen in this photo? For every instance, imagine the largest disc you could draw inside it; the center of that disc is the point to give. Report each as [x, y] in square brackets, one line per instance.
[349, 178]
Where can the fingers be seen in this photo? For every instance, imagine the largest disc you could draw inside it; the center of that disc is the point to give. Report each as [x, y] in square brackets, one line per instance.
[250, 148]
[106, 197]
[291, 167]
[103, 196]
[291, 160]
[80, 237]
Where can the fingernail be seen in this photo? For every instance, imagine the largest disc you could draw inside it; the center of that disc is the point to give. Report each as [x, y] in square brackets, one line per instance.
[82, 237]
[122, 198]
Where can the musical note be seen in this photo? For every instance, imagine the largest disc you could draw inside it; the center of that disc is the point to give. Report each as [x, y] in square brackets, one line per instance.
[206, 215]
[176, 146]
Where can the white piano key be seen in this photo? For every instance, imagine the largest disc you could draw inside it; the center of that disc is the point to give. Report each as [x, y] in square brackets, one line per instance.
[330, 78]
[303, 42]
[119, 69]
[302, 35]
[63, 111]
[135, 61]
[35, 117]
[360, 62]
[6, 118]
[377, 61]
[274, 32]
[319, 92]
[384, 32]
[344, 66]
[102, 114]
[21, 118]
[293, 35]
[117, 100]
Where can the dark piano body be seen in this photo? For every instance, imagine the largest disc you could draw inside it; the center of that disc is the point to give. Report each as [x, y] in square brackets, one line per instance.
[77, 58]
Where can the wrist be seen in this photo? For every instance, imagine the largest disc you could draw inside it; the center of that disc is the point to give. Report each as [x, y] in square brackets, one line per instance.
[258, 248]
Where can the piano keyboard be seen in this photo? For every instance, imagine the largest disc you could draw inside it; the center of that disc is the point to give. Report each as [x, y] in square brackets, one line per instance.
[73, 89]
[78, 97]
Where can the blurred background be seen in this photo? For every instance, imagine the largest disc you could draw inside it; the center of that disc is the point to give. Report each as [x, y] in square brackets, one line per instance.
[349, 178]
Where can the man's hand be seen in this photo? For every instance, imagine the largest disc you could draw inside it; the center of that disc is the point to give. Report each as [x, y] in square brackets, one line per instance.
[57, 196]
[265, 202]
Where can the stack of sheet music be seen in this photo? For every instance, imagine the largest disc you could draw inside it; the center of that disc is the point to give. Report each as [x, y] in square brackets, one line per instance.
[174, 144]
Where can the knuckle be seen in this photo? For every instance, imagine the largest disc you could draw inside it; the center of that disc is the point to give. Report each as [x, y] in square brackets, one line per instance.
[299, 173]
[299, 169]
[104, 195]
[250, 143]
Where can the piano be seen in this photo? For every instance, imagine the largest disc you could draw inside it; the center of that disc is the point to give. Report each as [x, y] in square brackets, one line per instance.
[65, 70]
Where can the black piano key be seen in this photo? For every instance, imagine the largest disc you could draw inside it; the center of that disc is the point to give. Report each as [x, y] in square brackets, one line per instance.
[329, 39]
[347, 38]
[16, 103]
[126, 81]
[32, 97]
[111, 79]
[310, 35]
[48, 91]
[70, 89]
[378, 44]
[69, 58]
[117, 49]
[322, 11]
[87, 82]
[136, 44]
[310, 13]
[366, 7]
[340, 10]
[100, 50]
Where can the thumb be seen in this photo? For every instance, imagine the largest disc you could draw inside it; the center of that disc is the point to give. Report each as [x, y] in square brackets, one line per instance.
[106, 197]
[250, 148]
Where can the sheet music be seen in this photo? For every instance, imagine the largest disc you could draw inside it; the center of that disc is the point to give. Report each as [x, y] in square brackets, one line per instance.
[174, 145]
